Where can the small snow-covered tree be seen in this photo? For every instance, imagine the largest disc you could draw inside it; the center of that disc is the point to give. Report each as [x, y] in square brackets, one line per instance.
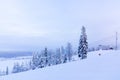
[19, 68]
[40, 59]
[69, 51]
[35, 60]
[54, 58]
[62, 54]
[16, 68]
[83, 44]
[24, 67]
[65, 58]
[50, 56]
[46, 56]
[58, 56]
[7, 71]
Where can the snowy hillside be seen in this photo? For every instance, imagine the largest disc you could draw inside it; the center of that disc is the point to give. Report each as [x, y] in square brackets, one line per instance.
[95, 67]
[9, 62]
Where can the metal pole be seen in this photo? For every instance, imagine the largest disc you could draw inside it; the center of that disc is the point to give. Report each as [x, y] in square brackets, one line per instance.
[116, 40]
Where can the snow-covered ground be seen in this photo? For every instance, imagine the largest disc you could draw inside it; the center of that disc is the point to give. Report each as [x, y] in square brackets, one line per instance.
[95, 67]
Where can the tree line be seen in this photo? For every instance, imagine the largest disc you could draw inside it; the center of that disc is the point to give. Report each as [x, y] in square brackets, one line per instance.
[62, 55]
[47, 57]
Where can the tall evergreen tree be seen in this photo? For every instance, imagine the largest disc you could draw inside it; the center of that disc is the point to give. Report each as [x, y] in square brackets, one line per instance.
[46, 56]
[83, 44]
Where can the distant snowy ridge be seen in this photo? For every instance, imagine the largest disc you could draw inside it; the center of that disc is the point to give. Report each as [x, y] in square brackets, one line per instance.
[12, 54]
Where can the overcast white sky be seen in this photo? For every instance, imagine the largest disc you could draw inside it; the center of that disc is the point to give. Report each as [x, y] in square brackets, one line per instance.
[32, 24]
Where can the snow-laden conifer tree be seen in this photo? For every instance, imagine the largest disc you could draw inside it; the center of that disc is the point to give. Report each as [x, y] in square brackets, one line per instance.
[69, 51]
[16, 68]
[62, 54]
[58, 56]
[45, 56]
[35, 60]
[65, 58]
[7, 71]
[83, 44]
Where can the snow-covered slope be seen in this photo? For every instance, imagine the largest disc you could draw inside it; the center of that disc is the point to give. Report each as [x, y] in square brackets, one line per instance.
[9, 62]
[95, 67]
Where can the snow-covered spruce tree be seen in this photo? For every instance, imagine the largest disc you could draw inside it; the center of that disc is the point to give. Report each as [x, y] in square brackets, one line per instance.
[35, 60]
[65, 58]
[83, 44]
[41, 60]
[50, 57]
[46, 57]
[69, 51]
[62, 54]
[16, 68]
[58, 56]
[7, 71]
[54, 58]
[24, 67]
